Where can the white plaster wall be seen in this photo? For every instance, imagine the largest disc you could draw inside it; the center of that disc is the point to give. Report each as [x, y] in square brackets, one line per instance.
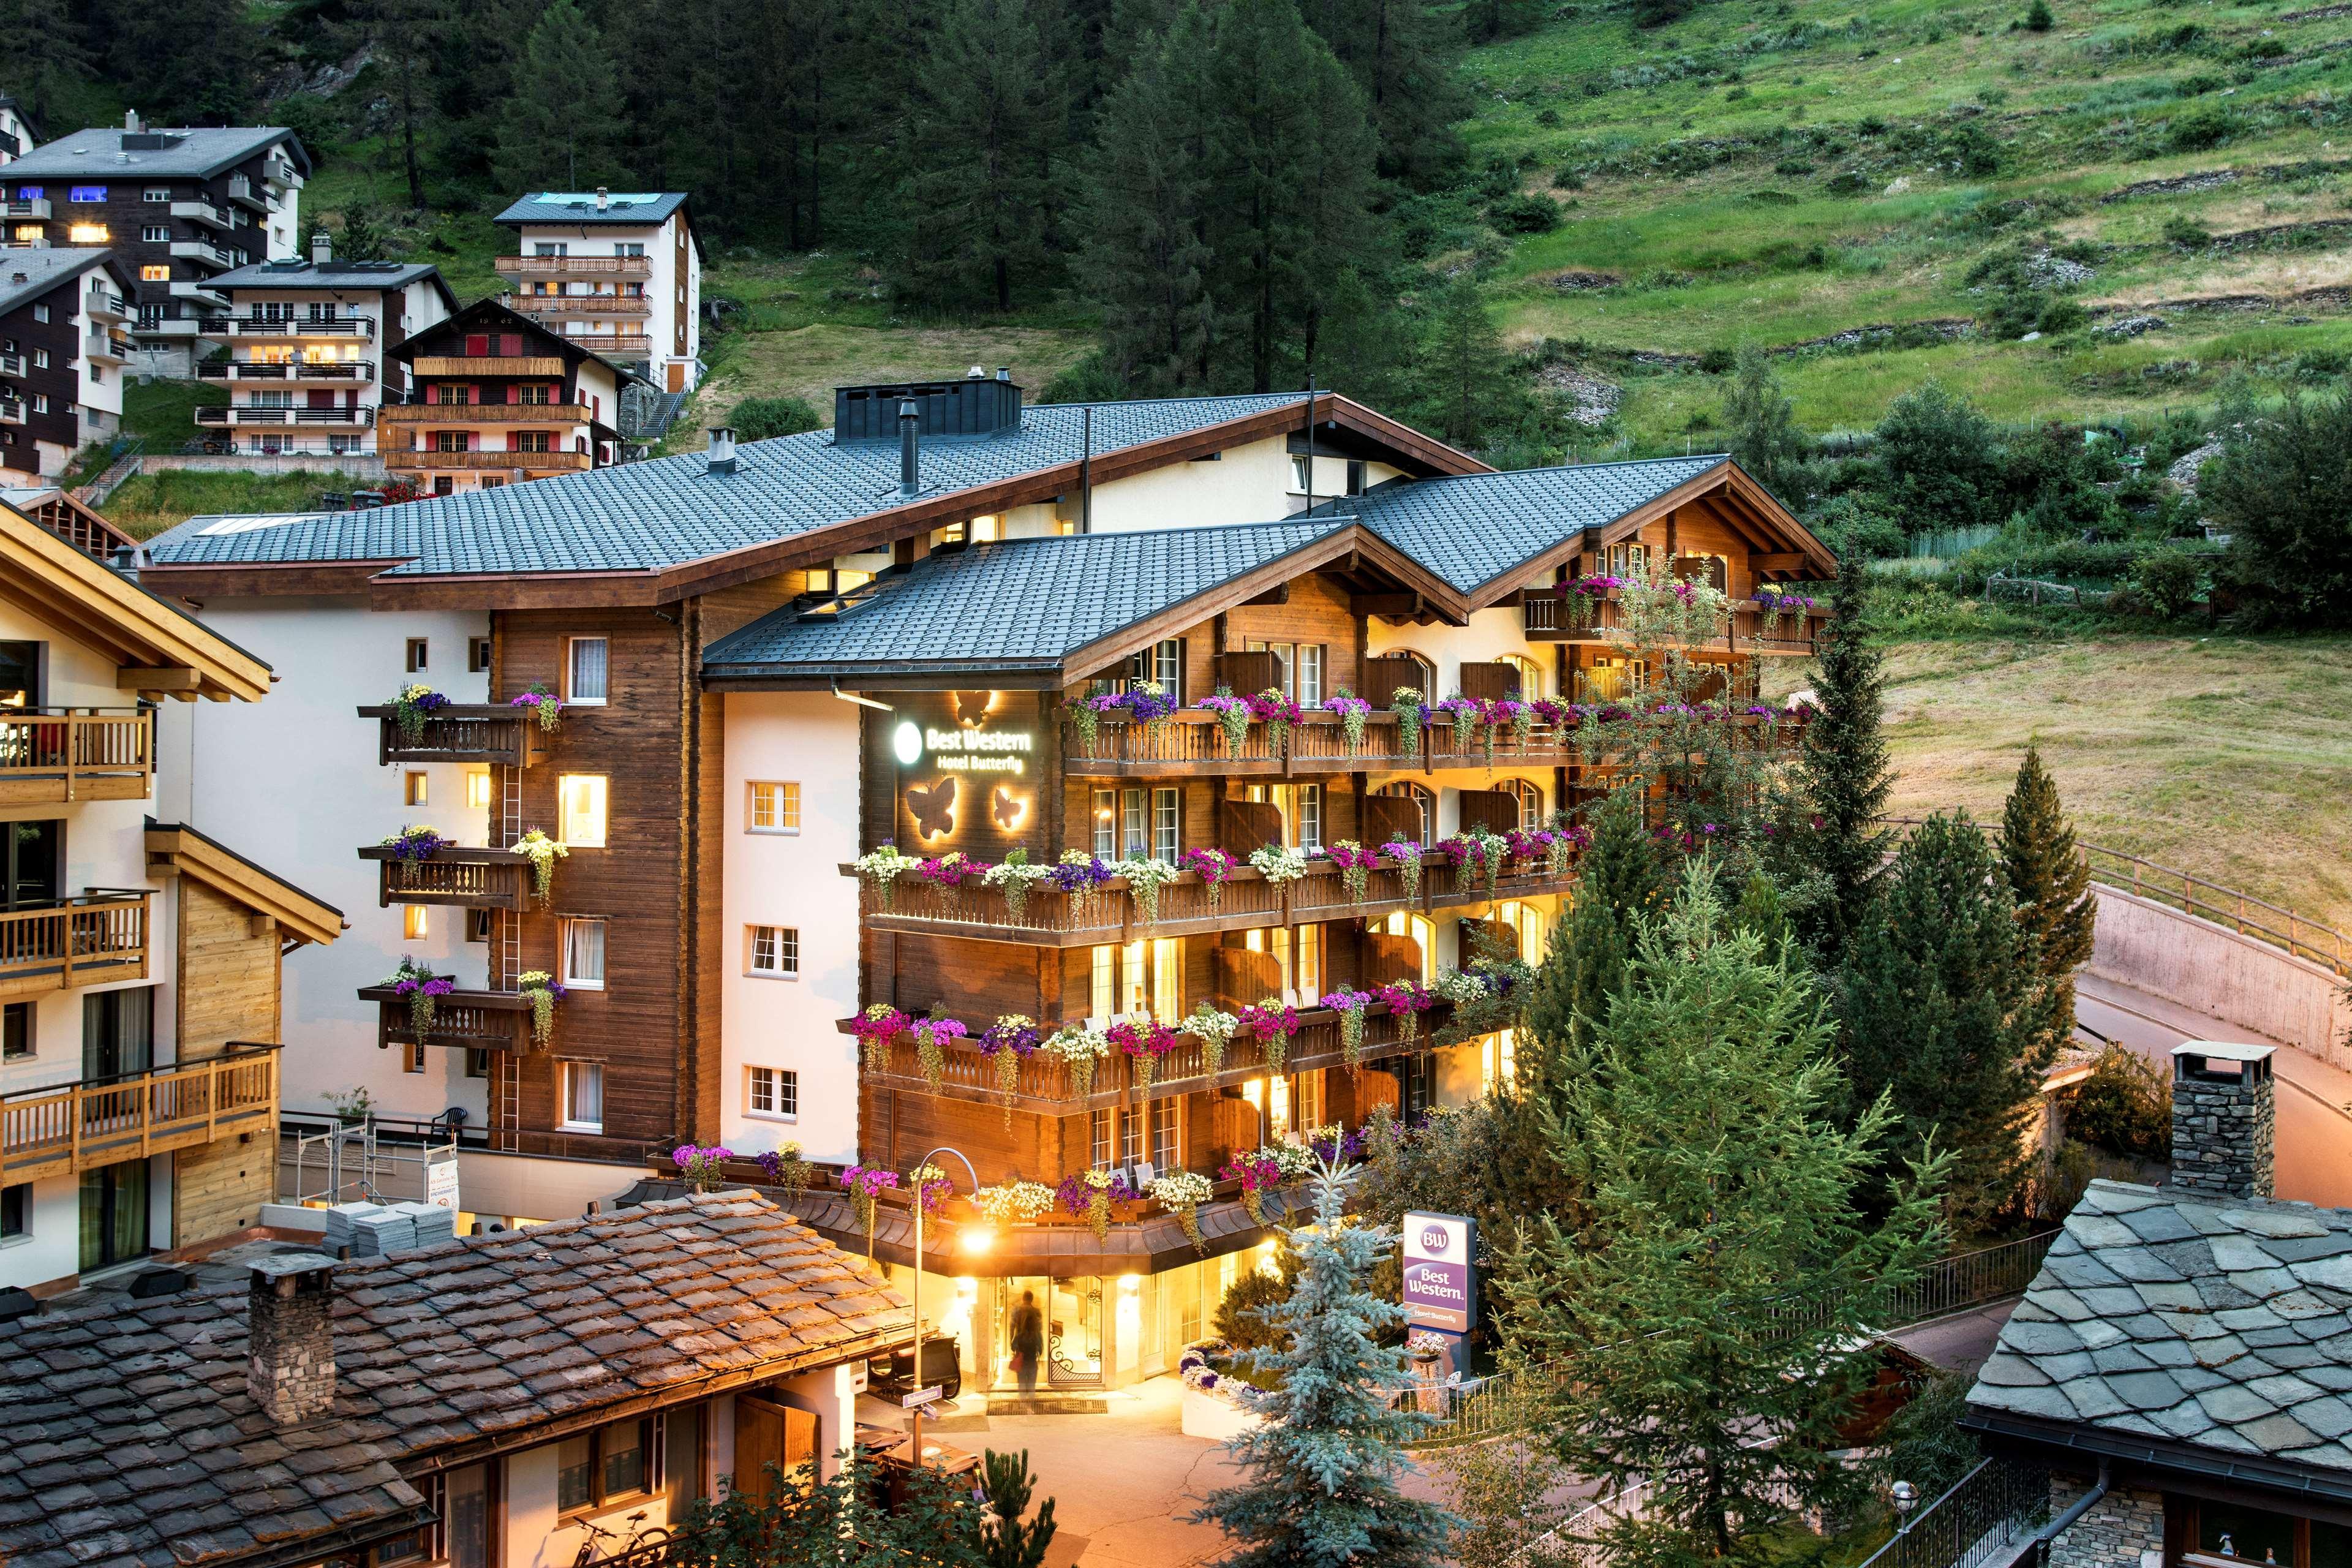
[792, 880]
[294, 783]
[100, 385]
[830, 1391]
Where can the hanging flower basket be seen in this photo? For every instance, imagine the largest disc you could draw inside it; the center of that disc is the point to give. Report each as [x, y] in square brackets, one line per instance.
[1407, 1002]
[1014, 1202]
[1350, 1005]
[1213, 866]
[415, 844]
[1356, 865]
[932, 1035]
[544, 991]
[880, 870]
[1079, 1048]
[1008, 1042]
[866, 1185]
[1406, 703]
[1144, 1041]
[1406, 854]
[1015, 879]
[1353, 710]
[542, 852]
[415, 703]
[1232, 717]
[875, 1027]
[784, 1167]
[1274, 1023]
[1145, 877]
[1183, 1193]
[1213, 1030]
[1278, 863]
[423, 988]
[542, 704]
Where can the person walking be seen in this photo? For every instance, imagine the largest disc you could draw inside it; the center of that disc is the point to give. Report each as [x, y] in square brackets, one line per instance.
[1028, 1341]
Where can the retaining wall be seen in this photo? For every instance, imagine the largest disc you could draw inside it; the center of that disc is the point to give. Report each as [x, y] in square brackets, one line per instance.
[363, 466]
[2155, 948]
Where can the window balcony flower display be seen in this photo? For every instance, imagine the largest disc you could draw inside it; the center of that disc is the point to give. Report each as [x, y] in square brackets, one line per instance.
[1350, 1005]
[542, 852]
[1016, 877]
[1146, 875]
[932, 1033]
[880, 870]
[1144, 1040]
[1213, 866]
[414, 844]
[866, 1185]
[1274, 1023]
[1781, 604]
[1412, 710]
[1407, 1002]
[541, 704]
[1353, 710]
[1183, 1193]
[544, 991]
[1079, 1049]
[1405, 854]
[1081, 876]
[1232, 717]
[1146, 702]
[1014, 1202]
[1585, 595]
[1214, 1030]
[875, 1027]
[1356, 866]
[1278, 863]
[1090, 1193]
[933, 1189]
[700, 1167]
[1277, 713]
[423, 988]
[1008, 1042]
[415, 703]
[784, 1166]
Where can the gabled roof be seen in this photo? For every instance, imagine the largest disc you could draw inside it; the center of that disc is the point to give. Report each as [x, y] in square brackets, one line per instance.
[658, 530]
[488, 312]
[634, 209]
[27, 275]
[159, 648]
[195, 153]
[133, 1440]
[1017, 604]
[361, 275]
[200, 858]
[2185, 1323]
[1482, 532]
[70, 520]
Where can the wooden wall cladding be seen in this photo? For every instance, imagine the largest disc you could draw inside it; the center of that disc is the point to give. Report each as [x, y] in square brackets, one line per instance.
[1242, 978]
[1491, 682]
[898, 1127]
[1385, 675]
[1245, 827]
[974, 981]
[1504, 937]
[1387, 816]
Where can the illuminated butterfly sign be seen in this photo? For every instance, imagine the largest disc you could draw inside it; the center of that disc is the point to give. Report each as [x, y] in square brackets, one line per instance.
[935, 754]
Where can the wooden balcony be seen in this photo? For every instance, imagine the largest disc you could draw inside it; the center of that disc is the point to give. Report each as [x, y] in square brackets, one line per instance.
[468, 415]
[539, 306]
[86, 940]
[1106, 915]
[50, 757]
[462, 733]
[75, 1127]
[1045, 1084]
[574, 267]
[468, 879]
[476, 1020]
[1748, 628]
[430, 365]
[423, 460]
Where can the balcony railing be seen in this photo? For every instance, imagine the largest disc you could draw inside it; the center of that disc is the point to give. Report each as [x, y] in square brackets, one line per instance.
[472, 413]
[200, 210]
[86, 940]
[541, 306]
[273, 327]
[12, 363]
[286, 370]
[478, 1020]
[426, 460]
[461, 732]
[469, 879]
[204, 251]
[37, 207]
[246, 414]
[12, 411]
[73, 1127]
[1050, 918]
[106, 304]
[1045, 1083]
[114, 348]
[432, 366]
[574, 267]
[1747, 628]
[49, 756]
[1192, 743]
[241, 189]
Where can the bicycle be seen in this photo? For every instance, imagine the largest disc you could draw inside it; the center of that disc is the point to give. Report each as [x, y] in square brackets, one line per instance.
[642, 1535]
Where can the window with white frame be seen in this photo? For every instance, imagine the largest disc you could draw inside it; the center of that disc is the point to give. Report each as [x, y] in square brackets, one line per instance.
[585, 673]
[1300, 475]
[1100, 1153]
[1162, 662]
[1105, 823]
[579, 806]
[1530, 798]
[1167, 978]
[1167, 824]
[772, 952]
[772, 1092]
[1133, 825]
[1531, 675]
[584, 954]
[1310, 694]
[776, 807]
[1310, 816]
[1423, 802]
[477, 789]
[582, 1088]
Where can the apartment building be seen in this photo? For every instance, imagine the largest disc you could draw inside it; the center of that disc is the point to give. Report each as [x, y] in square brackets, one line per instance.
[63, 354]
[139, 958]
[310, 349]
[177, 208]
[622, 267]
[494, 398]
[17, 134]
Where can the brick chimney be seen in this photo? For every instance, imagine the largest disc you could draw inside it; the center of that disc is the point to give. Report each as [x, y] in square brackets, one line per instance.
[290, 1336]
[2224, 1118]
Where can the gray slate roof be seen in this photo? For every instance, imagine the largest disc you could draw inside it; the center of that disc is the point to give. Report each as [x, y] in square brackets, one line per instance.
[645, 516]
[295, 274]
[43, 271]
[132, 1439]
[202, 152]
[2218, 1322]
[1021, 600]
[1470, 529]
[634, 208]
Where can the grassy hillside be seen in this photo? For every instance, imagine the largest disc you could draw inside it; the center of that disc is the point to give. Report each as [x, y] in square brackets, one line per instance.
[1782, 174]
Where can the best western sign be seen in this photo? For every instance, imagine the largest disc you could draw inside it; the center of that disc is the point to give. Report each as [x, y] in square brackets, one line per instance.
[1440, 1281]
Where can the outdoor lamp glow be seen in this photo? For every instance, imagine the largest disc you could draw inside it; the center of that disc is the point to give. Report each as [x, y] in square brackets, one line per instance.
[976, 1238]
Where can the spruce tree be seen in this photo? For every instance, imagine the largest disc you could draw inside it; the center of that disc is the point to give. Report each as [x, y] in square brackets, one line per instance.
[1320, 1476]
[2052, 885]
[44, 59]
[1404, 55]
[1765, 437]
[559, 125]
[1468, 393]
[1723, 1245]
[1844, 777]
[1940, 1001]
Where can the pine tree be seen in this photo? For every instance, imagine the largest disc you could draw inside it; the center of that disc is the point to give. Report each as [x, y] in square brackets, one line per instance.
[1319, 1477]
[1844, 777]
[362, 238]
[46, 56]
[1939, 999]
[2052, 884]
[985, 135]
[1010, 1543]
[1468, 392]
[1764, 436]
[1723, 1183]
[1143, 209]
[403, 38]
[559, 126]
[1403, 54]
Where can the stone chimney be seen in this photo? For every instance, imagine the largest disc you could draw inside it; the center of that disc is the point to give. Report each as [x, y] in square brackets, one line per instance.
[322, 249]
[2224, 1118]
[290, 1336]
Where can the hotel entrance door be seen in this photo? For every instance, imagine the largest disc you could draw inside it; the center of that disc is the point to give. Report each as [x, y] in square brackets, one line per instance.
[1072, 1312]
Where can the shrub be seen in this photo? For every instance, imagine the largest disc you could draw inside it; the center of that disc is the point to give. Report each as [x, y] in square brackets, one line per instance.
[1237, 1323]
[2169, 581]
[2186, 233]
[2199, 130]
[761, 418]
[1940, 466]
[1546, 117]
[2038, 18]
[1717, 361]
[2124, 1107]
[1857, 531]
[1529, 212]
[2283, 491]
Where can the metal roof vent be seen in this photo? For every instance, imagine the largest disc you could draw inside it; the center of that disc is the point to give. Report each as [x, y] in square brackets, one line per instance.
[722, 450]
[910, 451]
[603, 198]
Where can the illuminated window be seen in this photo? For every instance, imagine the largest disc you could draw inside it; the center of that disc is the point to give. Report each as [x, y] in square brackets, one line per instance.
[1527, 923]
[986, 530]
[583, 1097]
[26, 233]
[412, 922]
[1310, 694]
[1310, 816]
[1167, 824]
[586, 687]
[773, 952]
[772, 1092]
[1424, 937]
[477, 789]
[1167, 978]
[1102, 983]
[155, 274]
[580, 803]
[1307, 1097]
[584, 954]
[1298, 955]
[1105, 823]
[89, 234]
[416, 786]
[1530, 798]
[86, 194]
[1133, 824]
[1498, 1061]
[1531, 679]
[1134, 994]
[775, 808]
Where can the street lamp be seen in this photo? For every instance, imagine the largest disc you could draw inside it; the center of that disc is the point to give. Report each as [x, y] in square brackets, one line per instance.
[1906, 1497]
[974, 1239]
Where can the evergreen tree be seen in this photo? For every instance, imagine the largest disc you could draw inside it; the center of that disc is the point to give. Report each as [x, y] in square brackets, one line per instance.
[1765, 437]
[1844, 776]
[1939, 997]
[1468, 393]
[1403, 54]
[1723, 1186]
[1144, 213]
[182, 62]
[2052, 884]
[2283, 490]
[559, 127]
[1319, 1477]
[1009, 1542]
[984, 136]
[404, 37]
[45, 57]
[362, 238]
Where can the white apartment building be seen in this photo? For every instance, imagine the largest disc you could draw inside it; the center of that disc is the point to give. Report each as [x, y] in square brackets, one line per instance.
[17, 135]
[309, 361]
[63, 352]
[623, 268]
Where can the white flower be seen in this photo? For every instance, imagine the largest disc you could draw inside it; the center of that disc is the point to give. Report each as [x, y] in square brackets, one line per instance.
[1277, 863]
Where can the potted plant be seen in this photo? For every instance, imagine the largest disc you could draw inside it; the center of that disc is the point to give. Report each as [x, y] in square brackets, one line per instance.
[542, 704]
[422, 988]
[542, 852]
[415, 703]
[544, 991]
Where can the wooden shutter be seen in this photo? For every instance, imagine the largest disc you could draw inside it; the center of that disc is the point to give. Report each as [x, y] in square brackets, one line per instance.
[1384, 674]
[1245, 827]
[1491, 682]
[1234, 1128]
[1243, 978]
[1495, 810]
[767, 1432]
[477, 345]
[1373, 1089]
[1387, 816]
[1389, 959]
[1249, 673]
